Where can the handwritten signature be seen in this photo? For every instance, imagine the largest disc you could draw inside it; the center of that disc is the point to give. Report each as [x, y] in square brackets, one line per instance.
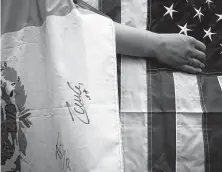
[79, 109]
[62, 154]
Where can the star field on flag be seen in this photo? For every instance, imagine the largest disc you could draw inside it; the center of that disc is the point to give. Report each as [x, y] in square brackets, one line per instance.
[183, 29]
[201, 19]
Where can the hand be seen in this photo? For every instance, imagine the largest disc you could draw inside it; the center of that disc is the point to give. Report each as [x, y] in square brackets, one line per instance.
[181, 52]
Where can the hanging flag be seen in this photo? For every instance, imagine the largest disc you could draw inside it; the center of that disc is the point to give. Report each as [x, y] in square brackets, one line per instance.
[171, 121]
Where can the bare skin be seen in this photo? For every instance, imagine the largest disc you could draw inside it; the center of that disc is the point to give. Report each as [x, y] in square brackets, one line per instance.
[176, 50]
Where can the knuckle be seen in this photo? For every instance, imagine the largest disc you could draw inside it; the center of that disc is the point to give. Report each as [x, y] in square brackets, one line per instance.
[190, 70]
[198, 64]
[198, 70]
[189, 52]
[196, 61]
[204, 56]
[191, 40]
[205, 47]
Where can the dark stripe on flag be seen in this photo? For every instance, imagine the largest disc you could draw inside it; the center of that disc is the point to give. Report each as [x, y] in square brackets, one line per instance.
[149, 118]
[112, 8]
[211, 93]
[119, 77]
[149, 5]
[161, 121]
[161, 114]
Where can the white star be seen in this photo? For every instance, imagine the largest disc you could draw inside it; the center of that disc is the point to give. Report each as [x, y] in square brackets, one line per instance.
[208, 2]
[170, 11]
[221, 47]
[208, 33]
[184, 29]
[220, 17]
[198, 13]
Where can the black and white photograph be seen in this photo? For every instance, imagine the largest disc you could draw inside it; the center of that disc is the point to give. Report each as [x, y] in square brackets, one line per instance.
[111, 85]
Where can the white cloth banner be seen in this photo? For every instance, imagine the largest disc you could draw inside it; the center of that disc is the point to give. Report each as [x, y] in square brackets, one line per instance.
[61, 80]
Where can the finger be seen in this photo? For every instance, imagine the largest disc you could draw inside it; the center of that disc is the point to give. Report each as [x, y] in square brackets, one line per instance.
[195, 63]
[198, 55]
[199, 45]
[190, 69]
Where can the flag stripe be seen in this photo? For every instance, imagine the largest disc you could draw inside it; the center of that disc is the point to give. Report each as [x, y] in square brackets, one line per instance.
[149, 100]
[133, 85]
[134, 133]
[149, 16]
[212, 104]
[133, 70]
[134, 92]
[189, 134]
[161, 118]
[112, 8]
[149, 119]
[211, 93]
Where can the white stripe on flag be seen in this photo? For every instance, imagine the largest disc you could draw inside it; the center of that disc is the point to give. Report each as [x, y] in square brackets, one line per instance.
[133, 78]
[134, 13]
[133, 85]
[189, 133]
[220, 81]
[134, 93]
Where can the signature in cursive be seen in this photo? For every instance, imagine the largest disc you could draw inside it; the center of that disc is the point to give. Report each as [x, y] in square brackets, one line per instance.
[62, 154]
[78, 108]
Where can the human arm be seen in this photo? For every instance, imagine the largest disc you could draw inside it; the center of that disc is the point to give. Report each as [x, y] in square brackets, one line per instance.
[176, 50]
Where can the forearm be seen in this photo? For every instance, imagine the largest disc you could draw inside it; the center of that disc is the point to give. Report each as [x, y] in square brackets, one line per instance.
[175, 50]
[136, 42]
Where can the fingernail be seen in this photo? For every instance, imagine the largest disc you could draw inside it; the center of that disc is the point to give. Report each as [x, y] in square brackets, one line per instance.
[198, 71]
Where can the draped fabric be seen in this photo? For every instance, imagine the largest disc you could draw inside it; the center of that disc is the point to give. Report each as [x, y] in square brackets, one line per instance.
[52, 51]
[171, 121]
[59, 99]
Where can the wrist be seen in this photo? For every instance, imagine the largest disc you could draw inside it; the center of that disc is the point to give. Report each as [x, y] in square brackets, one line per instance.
[159, 43]
[154, 41]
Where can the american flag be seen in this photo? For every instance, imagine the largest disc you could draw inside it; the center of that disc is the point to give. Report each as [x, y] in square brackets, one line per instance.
[171, 121]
